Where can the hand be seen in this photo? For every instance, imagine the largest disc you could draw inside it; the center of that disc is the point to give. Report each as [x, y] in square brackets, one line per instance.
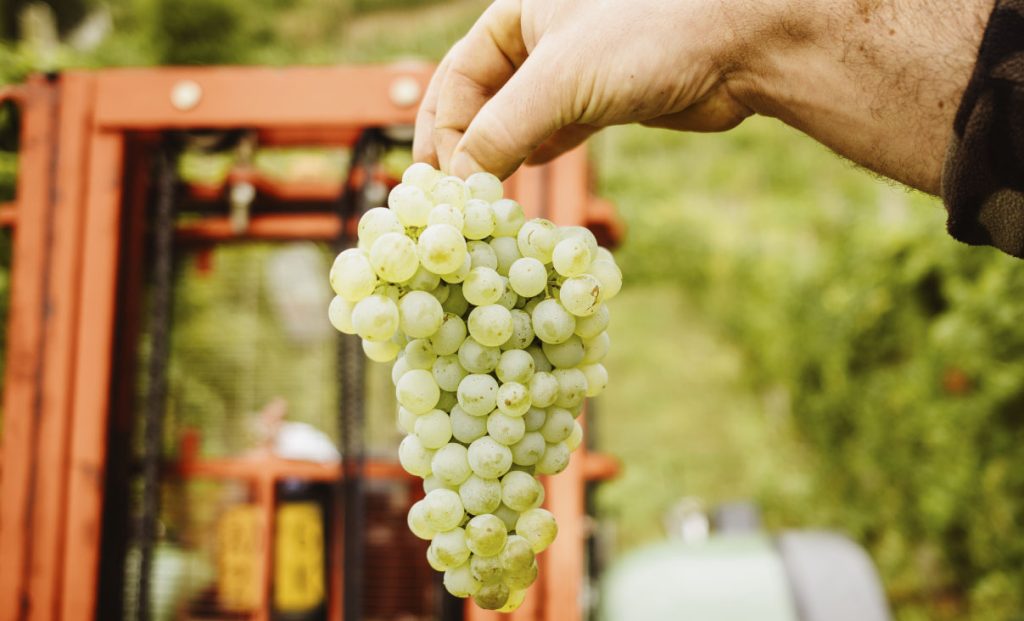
[534, 78]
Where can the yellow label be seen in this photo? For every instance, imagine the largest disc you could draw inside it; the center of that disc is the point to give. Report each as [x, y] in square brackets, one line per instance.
[238, 558]
[299, 557]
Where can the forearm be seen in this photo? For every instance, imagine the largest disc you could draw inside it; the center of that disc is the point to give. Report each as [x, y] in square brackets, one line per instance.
[878, 81]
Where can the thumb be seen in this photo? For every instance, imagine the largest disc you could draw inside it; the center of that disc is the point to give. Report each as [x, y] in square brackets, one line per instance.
[536, 102]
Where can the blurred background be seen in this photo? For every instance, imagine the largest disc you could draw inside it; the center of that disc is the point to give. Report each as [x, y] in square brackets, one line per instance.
[793, 331]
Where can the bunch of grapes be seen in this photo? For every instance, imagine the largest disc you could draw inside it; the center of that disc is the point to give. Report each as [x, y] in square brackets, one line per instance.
[497, 328]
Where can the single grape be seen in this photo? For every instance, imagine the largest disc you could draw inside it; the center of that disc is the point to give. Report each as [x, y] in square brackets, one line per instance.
[505, 429]
[449, 336]
[441, 292]
[521, 491]
[572, 387]
[538, 527]
[434, 429]
[517, 555]
[509, 298]
[448, 372]
[570, 257]
[465, 427]
[419, 354]
[564, 355]
[595, 349]
[490, 325]
[414, 457]
[515, 599]
[508, 218]
[451, 190]
[456, 302]
[558, 425]
[459, 581]
[459, 275]
[484, 186]
[483, 286]
[485, 535]
[417, 391]
[514, 365]
[393, 257]
[589, 327]
[422, 175]
[451, 463]
[522, 331]
[417, 520]
[477, 358]
[535, 417]
[392, 292]
[513, 399]
[450, 547]
[377, 222]
[442, 249]
[446, 214]
[375, 318]
[406, 420]
[352, 275]
[478, 220]
[541, 364]
[543, 389]
[480, 495]
[581, 233]
[537, 239]
[339, 313]
[519, 581]
[425, 280]
[609, 275]
[597, 378]
[554, 460]
[552, 323]
[444, 510]
[380, 351]
[604, 254]
[527, 277]
[486, 569]
[488, 458]
[482, 255]
[529, 450]
[507, 252]
[581, 295]
[434, 562]
[575, 438]
[492, 596]
[478, 394]
[431, 483]
[508, 516]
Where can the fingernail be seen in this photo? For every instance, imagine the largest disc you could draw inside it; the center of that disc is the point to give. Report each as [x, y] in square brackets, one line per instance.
[463, 165]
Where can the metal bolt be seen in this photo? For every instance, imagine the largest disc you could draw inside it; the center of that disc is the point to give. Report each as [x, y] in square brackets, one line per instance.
[185, 95]
[405, 92]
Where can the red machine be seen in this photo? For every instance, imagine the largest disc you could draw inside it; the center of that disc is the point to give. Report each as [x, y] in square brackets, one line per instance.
[102, 217]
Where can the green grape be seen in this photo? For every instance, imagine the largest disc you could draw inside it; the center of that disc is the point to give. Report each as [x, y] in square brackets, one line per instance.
[466, 428]
[552, 323]
[406, 420]
[517, 556]
[459, 581]
[417, 391]
[595, 349]
[483, 286]
[521, 491]
[537, 239]
[441, 292]
[450, 547]
[515, 600]
[522, 331]
[434, 429]
[581, 295]
[554, 460]
[575, 438]
[508, 218]
[597, 378]
[393, 257]
[449, 336]
[481, 255]
[447, 401]
[451, 464]
[492, 596]
[414, 457]
[488, 458]
[459, 275]
[514, 365]
[380, 351]
[570, 257]
[609, 275]
[508, 516]
[527, 277]
[543, 389]
[521, 580]
[480, 495]
[410, 204]
[417, 520]
[566, 354]
[446, 214]
[434, 562]
[392, 292]
[505, 429]
[538, 527]
[339, 313]
[425, 280]
[442, 249]
[478, 394]
[558, 425]
[513, 399]
[507, 252]
[604, 254]
[484, 186]
[572, 387]
[477, 358]
[535, 417]
[456, 302]
[486, 569]
[431, 483]
[541, 364]
[490, 325]
[420, 314]
[419, 354]
[352, 276]
[509, 299]
[444, 510]
[398, 369]
[485, 535]
[581, 233]
[589, 327]
[451, 190]
[377, 222]
[422, 175]
[448, 372]
[478, 220]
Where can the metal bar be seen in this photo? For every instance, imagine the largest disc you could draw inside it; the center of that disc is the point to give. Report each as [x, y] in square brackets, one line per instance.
[156, 372]
[301, 226]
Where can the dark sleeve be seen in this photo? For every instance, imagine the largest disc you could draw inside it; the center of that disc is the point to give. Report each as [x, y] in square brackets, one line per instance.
[983, 179]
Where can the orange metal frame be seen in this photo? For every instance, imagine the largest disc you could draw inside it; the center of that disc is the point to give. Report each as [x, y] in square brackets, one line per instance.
[68, 219]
